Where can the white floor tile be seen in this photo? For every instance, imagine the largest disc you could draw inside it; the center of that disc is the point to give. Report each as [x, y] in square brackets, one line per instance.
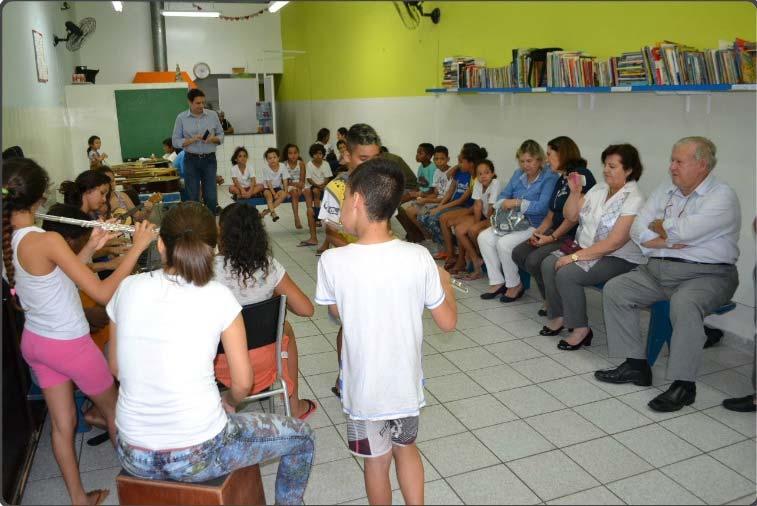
[739, 457]
[438, 365]
[513, 440]
[541, 369]
[437, 421]
[311, 345]
[481, 411]
[606, 459]
[522, 328]
[335, 482]
[612, 416]
[318, 363]
[552, 475]
[529, 401]
[498, 378]
[702, 431]
[489, 334]
[472, 358]
[599, 495]
[740, 422]
[513, 351]
[457, 454]
[564, 428]
[453, 387]
[493, 485]
[574, 390]
[709, 479]
[652, 488]
[449, 341]
[657, 445]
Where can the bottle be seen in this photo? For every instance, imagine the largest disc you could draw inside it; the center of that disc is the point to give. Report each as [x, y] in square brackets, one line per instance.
[178, 74]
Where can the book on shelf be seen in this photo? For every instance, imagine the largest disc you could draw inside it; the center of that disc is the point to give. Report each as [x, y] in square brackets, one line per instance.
[662, 64]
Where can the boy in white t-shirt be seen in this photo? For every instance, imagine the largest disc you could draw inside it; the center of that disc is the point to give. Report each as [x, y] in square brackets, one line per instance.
[317, 176]
[381, 375]
[275, 177]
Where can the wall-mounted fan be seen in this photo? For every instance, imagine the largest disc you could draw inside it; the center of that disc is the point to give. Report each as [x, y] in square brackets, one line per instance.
[76, 34]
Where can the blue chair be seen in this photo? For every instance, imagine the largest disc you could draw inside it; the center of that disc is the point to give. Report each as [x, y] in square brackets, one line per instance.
[35, 394]
[661, 330]
[260, 201]
[525, 278]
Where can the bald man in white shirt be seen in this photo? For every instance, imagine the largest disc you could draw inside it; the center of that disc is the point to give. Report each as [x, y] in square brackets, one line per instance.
[689, 230]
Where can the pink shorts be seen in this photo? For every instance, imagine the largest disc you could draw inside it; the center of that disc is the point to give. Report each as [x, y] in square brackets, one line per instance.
[55, 361]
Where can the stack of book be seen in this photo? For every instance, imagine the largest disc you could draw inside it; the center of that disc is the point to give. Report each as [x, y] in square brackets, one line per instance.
[463, 72]
[630, 69]
[572, 69]
[500, 77]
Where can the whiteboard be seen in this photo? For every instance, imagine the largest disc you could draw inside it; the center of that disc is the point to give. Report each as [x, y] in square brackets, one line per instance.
[237, 98]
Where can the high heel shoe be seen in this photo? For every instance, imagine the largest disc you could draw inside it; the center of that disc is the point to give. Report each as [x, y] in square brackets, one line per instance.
[546, 331]
[586, 341]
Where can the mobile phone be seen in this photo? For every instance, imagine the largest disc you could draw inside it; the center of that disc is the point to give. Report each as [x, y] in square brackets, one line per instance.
[205, 135]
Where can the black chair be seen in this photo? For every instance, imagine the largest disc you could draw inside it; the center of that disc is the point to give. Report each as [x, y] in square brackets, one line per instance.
[264, 325]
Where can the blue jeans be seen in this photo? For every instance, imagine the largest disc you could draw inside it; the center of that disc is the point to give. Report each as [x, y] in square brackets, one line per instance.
[201, 169]
[431, 222]
[247, 439]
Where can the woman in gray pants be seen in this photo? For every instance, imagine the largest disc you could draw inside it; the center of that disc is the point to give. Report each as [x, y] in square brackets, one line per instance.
[604, 249]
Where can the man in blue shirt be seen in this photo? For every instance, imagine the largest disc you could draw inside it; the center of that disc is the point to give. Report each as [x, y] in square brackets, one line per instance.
[198, 132]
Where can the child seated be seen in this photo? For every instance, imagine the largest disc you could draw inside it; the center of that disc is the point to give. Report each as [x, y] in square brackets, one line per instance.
[169, 153]
[318, 174]
[434, 184]
[276, 182]
[243, 184]
[381, 376]
[297, 175]
[246, 267]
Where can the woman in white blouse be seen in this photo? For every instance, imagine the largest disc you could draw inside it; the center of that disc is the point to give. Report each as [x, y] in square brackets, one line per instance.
[602, 249]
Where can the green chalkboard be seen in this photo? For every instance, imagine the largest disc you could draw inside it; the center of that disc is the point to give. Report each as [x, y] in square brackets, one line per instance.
[146, 117]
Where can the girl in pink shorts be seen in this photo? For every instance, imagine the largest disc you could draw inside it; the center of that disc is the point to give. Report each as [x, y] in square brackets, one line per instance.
[44, 271]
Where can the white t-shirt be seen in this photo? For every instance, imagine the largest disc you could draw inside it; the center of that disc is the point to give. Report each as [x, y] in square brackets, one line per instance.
[441, 182]
[594, 207]
[167, 337]
[51, 303]
[258, 289]
[317, 174]
[170, 156]
[380, 290]
[244, 178]
[488, 197]
[275, 177]
[294, 173]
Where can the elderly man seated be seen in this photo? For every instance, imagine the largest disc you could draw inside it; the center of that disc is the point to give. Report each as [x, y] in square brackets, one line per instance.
[689, 230]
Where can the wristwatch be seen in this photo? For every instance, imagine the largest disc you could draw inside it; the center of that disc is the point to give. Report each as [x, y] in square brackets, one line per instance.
[574, 257]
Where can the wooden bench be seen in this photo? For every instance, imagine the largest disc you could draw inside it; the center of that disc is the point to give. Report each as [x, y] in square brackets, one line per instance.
[660, 329]
[243, 486]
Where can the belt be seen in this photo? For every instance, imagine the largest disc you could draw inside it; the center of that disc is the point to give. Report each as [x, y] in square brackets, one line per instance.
[685, 261]
[200, 155]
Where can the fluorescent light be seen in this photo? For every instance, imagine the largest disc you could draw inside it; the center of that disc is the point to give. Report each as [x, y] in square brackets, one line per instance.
[118, 6]
[191, 14]
[276, 6]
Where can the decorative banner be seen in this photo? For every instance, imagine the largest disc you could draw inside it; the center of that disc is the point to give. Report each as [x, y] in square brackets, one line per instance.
[39, 56]
[236, 18]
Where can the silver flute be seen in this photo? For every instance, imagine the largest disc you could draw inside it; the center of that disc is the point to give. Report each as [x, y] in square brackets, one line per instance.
[110, 227]
[459, 285]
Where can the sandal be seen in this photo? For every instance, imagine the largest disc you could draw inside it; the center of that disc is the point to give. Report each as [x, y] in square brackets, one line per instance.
[274, 217]
[99, 495]
[440, 255]
[311, 409]
[307, 243]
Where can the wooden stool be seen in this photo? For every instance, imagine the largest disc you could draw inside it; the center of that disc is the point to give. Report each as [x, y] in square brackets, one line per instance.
[242, 486]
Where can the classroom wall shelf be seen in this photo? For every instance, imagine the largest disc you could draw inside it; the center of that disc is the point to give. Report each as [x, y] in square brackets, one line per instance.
[678, 89]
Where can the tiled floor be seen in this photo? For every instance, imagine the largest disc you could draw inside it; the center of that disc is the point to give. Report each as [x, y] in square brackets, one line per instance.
[511, 419]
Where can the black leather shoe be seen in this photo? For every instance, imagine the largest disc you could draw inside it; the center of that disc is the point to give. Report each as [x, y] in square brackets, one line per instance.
[674, 398]
[586, 341]
[491, 295]
[542, 312]
[741, 404]
[507, 299]
[546, 331]
[624, 373]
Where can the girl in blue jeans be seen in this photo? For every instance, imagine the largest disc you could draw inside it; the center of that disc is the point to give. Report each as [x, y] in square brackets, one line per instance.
[165, 327]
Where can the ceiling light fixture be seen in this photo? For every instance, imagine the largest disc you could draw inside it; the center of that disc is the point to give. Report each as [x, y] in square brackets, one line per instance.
[276, 6]
[118, 6]
[191, 14]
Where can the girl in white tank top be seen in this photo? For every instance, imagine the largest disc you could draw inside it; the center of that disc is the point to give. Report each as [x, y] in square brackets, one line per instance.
[43, 272]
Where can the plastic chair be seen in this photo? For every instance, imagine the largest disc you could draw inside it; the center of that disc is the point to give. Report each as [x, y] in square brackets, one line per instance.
[264, 325]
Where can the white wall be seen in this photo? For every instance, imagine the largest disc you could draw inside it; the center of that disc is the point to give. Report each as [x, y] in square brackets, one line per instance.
[122, 43]
[91, 110]
[650, 122]
[225, 44]
[34, 112]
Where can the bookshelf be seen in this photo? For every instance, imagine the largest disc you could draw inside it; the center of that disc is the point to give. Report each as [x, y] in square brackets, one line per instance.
[679, 89]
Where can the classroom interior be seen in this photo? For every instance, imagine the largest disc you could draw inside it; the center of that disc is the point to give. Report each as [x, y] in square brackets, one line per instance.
[510, 419]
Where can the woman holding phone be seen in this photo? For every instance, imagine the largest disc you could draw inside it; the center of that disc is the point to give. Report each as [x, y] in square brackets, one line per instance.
[605, 215]
[564, 157]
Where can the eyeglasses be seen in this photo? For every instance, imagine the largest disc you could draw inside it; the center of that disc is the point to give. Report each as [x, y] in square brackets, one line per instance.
[669, 207]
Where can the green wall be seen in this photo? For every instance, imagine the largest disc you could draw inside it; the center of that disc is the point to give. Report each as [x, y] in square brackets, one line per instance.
[362, 49]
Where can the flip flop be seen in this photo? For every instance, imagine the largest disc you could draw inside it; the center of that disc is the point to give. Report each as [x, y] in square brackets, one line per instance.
[307, 243]
[100, 495]
[311, 409]
[441, 255]
[99, 439]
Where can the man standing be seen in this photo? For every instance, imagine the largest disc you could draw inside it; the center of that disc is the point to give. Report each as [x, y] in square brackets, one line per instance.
[690, 230]
[198, 132]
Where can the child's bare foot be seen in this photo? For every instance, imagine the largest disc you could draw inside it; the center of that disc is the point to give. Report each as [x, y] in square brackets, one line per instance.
[265, 213]
[305, 408]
